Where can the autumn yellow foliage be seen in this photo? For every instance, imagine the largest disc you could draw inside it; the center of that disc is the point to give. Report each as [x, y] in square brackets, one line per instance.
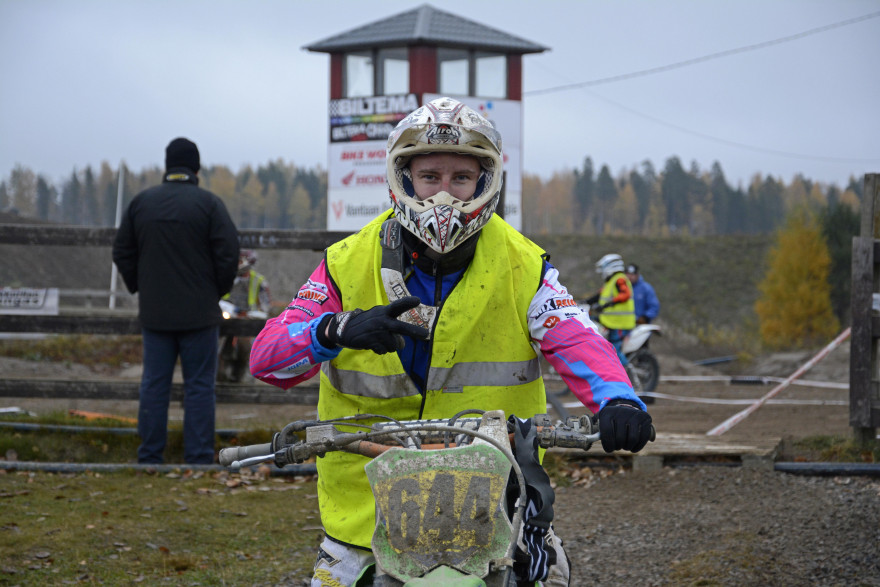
[794, 308]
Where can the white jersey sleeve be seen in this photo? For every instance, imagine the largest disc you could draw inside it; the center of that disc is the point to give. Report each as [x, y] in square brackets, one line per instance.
[552, 304]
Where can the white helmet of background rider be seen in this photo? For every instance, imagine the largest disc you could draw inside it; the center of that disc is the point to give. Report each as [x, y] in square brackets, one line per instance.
[444, 125]
[609, 265]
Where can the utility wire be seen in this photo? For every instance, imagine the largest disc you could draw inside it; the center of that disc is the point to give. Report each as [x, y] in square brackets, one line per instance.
[687, 62]
[732, 143]
[584, 85]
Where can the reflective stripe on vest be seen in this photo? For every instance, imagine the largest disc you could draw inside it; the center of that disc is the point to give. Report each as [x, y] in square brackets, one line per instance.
[481, 358]
[619, 316]
[457, 376]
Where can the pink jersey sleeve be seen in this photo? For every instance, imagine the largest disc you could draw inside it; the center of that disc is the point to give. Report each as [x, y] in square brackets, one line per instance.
[572, 345]
[287, 352]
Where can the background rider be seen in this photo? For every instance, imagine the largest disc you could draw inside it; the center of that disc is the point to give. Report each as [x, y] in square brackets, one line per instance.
[250, 298]
[250, 290]
[614, 302]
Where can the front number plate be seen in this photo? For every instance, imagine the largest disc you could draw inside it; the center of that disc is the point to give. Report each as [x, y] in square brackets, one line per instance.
[438, 507]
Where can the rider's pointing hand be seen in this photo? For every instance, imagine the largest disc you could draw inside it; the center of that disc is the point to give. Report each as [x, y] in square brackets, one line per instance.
[376, 329]
[624, 426]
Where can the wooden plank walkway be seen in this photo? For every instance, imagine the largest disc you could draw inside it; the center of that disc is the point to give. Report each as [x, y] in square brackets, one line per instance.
[684, 449]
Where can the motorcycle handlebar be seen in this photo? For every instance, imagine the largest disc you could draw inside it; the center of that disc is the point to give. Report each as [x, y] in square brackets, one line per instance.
[559, 435]
[230, 455]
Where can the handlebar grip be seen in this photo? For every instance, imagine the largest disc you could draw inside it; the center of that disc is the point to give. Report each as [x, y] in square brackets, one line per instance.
[228, 456]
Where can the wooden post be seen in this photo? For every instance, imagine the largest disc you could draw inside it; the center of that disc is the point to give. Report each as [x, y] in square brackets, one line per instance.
[864, 402]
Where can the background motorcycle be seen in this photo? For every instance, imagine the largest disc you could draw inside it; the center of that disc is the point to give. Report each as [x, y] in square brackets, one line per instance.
[635, 347]
[235, 351]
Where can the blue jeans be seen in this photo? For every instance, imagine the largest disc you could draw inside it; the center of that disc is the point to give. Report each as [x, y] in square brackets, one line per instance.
[198, 360]
[616, 337]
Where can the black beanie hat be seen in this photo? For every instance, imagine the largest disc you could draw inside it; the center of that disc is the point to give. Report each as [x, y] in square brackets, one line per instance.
[182, 152]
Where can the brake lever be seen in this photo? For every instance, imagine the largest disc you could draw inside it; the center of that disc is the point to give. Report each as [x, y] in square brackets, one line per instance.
[251, 461]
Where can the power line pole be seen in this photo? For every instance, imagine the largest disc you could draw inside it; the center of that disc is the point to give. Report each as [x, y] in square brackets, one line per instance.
[113, 271]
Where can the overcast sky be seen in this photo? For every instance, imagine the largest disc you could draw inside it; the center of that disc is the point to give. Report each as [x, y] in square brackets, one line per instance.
[90, 81]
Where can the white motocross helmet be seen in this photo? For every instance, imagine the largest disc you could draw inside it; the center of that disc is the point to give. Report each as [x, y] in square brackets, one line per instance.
[444, 125]
[609, 265]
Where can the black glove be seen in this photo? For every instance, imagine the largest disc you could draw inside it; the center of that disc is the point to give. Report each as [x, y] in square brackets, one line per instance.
[376, 329]
[603, 306]
[624, 426]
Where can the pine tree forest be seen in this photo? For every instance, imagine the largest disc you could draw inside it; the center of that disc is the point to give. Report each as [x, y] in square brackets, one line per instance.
[672, 202]
[277, 195]
[638, 201]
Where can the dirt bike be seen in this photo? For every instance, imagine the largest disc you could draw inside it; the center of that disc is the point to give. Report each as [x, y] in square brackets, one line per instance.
[442, 515]
[234, 351]
[644, 372]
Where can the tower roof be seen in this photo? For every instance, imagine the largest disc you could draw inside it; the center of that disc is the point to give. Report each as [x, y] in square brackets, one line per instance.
[425, 25]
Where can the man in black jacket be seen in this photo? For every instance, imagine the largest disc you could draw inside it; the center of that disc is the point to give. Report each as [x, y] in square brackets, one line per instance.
[178, 248]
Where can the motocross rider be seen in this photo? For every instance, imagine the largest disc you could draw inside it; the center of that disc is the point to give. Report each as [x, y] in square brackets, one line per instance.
[434, 307]
[615, 302]
[250, 296]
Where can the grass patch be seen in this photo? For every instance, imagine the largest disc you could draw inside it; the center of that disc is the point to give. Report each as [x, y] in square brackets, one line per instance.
[740, 555]
[835, 449]
[96, 444]
[728, 340]
[87, 349]
[174, 529]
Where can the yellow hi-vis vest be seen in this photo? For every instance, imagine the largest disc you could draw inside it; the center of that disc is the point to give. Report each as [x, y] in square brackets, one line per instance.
[619, 316]
[481, 358]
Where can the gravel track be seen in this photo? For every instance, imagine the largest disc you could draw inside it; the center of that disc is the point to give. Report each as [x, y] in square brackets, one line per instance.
[712, 525]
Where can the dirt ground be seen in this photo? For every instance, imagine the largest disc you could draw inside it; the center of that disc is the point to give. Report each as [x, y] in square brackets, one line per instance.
[705, 524]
